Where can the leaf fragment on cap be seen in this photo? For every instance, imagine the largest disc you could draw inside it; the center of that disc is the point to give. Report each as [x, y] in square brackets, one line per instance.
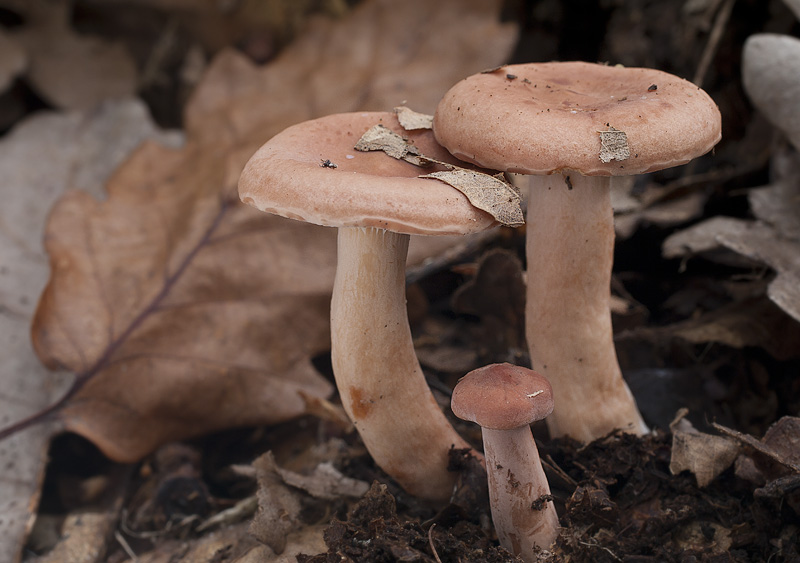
[489, 193]
[492, 194]
[411, 120]
[614, 145]
[380, 138]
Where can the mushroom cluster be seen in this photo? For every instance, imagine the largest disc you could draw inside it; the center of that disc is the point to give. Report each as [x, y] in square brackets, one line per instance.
[570, 127]
[311, 172]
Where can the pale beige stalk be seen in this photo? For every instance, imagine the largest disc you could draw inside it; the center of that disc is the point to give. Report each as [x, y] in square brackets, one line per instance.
[570, 250]
[379, 378]
[515, 478]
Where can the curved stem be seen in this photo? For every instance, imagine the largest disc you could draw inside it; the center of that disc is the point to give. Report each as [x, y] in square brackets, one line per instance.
[570, 249]
[382, 387]
[522, 518]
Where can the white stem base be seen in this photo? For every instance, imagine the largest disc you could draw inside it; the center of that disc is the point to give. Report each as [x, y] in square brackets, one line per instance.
[570, 250]
[382, 387]
[516, 481]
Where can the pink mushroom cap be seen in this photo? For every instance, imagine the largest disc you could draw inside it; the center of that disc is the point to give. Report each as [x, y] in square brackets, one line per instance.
[502, 397]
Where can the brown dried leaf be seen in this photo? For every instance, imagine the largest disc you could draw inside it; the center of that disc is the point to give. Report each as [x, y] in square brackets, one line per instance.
[83, 149]
[780, 443]
[749, 322]
[279, 505]
[667, 212]
[379, 54]
[182, 311]
[381, 138]
[497, 296]
[411, 120]
[72, 71]
[754, 240]
[489, 193]
[705, 455]
[325, 482]
[774, 239]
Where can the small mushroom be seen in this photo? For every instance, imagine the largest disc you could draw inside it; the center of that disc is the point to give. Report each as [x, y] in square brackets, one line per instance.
[571, 126]
[504, 400]
[376, 202]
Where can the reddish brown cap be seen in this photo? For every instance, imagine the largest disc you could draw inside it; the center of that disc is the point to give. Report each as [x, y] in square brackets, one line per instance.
[502, 397]
[540, 118]
[311, 172]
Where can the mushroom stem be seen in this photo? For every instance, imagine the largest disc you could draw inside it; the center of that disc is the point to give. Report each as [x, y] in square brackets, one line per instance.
[381, 384]
[570, 251]
[515, 477]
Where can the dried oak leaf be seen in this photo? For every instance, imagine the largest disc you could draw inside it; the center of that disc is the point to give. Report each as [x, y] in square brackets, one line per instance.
[182, 311]
[706, 456]
[83, 149]
[497, 296]
[754, 240]
[376, 56]
[773, 239]
[279, 505]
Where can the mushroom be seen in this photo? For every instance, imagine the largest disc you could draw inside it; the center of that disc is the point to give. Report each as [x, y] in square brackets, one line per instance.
[310, 172]
[570, 127]
[504, 400]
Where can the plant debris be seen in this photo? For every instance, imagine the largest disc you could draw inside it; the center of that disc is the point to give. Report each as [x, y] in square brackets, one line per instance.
[411, 120]
[705, 455]
[614, 145]
[373, 531]
[489, 193]
[381, 138]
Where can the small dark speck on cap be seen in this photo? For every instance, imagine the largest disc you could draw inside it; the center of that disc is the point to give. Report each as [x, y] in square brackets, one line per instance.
[511, 76]
[653, 88]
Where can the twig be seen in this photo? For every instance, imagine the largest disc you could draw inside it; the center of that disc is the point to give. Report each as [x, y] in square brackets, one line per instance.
[713, 42]
[549, 463]
[241, 510]
[430, 542]
[471, 245]
[611, 553]
[125, 546]
[757, 445]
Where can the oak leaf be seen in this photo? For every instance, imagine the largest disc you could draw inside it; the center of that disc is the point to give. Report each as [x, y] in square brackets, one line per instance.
[182, 311]
[82, 149]
[772, 239]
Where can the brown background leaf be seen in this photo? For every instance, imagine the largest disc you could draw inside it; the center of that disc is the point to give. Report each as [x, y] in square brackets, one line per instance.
[181, 310]
[81, 149]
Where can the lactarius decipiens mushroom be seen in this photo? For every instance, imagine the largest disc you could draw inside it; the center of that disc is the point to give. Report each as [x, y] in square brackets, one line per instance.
[504, 400]
[570, 127]
[311, 172]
